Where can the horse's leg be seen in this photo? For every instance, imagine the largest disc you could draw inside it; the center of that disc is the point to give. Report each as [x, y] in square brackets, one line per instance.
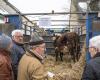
[73, 55]
[78, 52]
[61, 56]
[73, 58]
[56, 52]
[78, 55]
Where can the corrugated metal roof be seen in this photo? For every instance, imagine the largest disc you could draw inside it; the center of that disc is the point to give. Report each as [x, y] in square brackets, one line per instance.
[82, 0]
[6, 8]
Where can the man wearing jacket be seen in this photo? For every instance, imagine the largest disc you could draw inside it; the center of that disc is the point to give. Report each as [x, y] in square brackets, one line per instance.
[92, 68]
[17, 49]
[31, 64]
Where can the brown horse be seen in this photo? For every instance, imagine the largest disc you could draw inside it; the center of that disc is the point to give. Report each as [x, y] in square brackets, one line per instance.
[58, 48]
[71, 40]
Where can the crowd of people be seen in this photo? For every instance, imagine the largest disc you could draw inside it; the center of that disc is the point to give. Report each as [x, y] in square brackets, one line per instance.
[18, 63]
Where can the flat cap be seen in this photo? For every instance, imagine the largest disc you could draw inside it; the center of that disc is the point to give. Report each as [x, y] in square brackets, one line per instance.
[36, 39]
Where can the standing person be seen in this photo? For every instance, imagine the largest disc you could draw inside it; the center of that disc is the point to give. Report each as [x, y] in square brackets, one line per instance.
[31, 65]
[17, 49]
[6, 72]
[92, 68]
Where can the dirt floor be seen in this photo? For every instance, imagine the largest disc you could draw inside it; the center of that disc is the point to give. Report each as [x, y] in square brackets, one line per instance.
[66, 70]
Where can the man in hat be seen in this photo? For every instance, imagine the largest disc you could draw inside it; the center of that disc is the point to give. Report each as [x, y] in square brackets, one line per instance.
[92, 67]
[31, 65]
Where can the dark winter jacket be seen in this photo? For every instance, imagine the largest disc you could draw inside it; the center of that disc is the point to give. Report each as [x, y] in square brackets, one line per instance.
[92, 69]
[16, 53]
[6, 72]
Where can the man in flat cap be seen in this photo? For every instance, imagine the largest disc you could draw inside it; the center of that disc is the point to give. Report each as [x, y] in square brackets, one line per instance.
[31, 65]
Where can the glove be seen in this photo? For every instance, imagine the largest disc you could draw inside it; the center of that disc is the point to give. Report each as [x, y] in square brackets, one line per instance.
[50, 74]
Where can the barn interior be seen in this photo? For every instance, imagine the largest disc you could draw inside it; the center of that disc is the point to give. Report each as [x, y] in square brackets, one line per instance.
[83, 21]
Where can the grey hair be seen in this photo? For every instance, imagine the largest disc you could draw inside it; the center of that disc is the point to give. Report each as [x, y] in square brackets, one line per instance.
[95, 42]
[15, 31]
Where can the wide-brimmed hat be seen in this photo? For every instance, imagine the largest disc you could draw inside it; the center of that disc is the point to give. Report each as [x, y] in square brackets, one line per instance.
[36, 39]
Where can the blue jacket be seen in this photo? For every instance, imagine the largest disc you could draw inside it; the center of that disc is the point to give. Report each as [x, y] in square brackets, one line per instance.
[16, 53]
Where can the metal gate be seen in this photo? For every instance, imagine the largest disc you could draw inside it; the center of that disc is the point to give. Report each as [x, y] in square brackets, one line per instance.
[49, 44]
[92, 29]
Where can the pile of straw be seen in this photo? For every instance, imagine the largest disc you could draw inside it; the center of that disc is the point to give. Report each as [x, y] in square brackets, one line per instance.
[66, 70]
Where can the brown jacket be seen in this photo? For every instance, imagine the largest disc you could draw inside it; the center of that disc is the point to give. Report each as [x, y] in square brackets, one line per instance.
[5, 66]
[30, 68]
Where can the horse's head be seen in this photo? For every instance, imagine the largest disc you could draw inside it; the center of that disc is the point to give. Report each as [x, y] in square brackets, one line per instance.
[63, 39]
[55, 40]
